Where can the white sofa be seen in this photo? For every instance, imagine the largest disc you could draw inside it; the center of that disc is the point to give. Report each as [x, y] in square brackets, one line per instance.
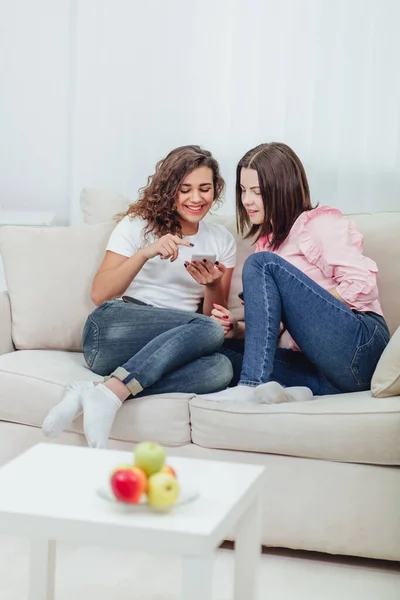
[333, 463]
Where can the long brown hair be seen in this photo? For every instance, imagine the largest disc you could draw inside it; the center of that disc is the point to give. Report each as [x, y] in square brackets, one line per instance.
[284, 191]
[156, 203]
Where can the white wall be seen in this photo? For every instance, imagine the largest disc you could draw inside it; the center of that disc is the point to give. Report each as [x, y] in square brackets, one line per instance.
[34, 67]
[321, 75]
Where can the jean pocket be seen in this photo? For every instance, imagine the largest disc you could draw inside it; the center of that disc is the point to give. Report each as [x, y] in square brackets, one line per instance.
[108, 304]
[367, 356]
[90, 341]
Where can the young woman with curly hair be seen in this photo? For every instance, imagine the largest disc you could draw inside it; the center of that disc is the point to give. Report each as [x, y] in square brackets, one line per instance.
[308, 282]
[147, 334]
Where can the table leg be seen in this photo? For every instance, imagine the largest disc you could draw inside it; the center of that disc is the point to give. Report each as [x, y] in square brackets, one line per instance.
[42, 570]
[248, 552]
[197, 578]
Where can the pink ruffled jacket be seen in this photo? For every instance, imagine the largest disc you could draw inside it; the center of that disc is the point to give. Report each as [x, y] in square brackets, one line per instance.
[328, 248]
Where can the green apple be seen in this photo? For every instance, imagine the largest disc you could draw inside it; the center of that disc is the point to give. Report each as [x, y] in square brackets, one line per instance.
[163, 490]
[150, 457]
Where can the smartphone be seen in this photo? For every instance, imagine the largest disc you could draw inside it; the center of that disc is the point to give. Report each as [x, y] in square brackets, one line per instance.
[200, 257]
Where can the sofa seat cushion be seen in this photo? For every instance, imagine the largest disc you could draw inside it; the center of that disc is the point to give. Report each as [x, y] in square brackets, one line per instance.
[32, 381]
[347, 427]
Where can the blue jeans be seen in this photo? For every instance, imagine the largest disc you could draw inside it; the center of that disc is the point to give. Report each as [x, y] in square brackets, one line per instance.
[340, 346]
[156, 350]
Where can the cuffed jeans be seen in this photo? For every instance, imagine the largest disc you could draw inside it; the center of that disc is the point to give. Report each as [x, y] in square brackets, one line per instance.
[340, 347]
[156, 350]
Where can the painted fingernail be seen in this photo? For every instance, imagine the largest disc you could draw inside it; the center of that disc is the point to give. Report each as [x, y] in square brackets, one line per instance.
[226, 317]
[191, 244]
[230, 325]
[204, 260]
[242, 303]
[216, 263]
[195, 262]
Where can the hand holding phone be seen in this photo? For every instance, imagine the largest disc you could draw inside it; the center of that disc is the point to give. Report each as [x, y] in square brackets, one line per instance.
[205, 269]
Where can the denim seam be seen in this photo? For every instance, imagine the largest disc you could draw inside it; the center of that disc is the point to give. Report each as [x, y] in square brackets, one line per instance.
[330, 383]
[333, 304]
[307, 287]
[120, 303]
[266, 306]
[133, 385]
[244, 382]
[360, 350]
[326, 380]
[163, 349]
[277, 264]
[95, 343]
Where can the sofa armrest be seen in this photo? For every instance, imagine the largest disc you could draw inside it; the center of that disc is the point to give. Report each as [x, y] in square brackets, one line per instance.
[6, 344]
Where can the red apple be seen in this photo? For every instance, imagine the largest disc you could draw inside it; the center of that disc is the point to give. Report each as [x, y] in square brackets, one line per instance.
[128, 484]
[169, 471]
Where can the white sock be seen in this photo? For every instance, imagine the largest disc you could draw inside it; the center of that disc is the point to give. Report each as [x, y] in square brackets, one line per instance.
[100, 405]
[273, 393]
[239, 393]
[61, 416]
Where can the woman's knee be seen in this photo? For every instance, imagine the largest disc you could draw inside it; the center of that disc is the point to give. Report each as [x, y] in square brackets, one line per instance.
[256, 264]
[219, 372]
[97, 351]
[90, 341]
[260, 259]
[213, 334]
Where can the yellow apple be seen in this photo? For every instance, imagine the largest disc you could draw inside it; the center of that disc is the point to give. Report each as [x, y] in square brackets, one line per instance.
[163, 490]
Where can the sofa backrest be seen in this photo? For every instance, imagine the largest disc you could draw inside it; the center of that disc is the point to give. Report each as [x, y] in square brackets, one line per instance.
[49, 270]
[381, 233]
[49, 273]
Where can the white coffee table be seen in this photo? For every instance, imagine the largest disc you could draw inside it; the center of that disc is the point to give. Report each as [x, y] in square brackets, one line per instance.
[49, 494]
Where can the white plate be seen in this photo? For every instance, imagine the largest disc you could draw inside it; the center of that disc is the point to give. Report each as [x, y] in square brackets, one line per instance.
[186, 497]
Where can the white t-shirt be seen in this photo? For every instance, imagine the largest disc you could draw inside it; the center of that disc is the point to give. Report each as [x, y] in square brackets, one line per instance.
[165, 284]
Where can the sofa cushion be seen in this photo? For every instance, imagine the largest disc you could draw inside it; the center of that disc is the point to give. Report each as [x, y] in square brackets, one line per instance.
[381, 243]
[6, 344]
[32, 382]
[100, 206]
[386, 379]
[49, 273]
[347, 427]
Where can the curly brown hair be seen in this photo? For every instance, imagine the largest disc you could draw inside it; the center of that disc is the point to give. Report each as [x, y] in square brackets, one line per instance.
[156, 203]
